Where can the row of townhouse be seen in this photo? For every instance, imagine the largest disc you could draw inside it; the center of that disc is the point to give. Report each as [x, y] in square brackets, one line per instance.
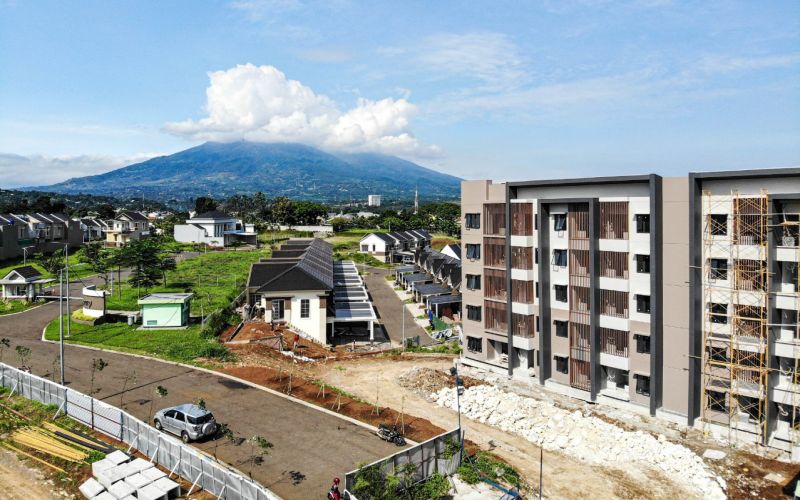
[36, 232]
[674, 296]
[397, 246]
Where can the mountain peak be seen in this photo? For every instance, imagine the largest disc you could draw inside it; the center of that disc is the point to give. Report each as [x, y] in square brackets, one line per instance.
[221, 169]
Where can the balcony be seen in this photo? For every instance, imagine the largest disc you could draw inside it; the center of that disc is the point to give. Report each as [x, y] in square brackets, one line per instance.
[494, 216]
[494, 252]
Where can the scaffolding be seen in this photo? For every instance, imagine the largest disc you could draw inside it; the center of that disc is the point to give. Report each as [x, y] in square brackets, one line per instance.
[736, 307]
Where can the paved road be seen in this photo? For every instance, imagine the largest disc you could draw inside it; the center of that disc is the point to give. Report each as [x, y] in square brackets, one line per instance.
[310, 446]
[390, 309]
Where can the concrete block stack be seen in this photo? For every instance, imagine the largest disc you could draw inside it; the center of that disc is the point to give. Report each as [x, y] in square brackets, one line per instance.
[119, 477]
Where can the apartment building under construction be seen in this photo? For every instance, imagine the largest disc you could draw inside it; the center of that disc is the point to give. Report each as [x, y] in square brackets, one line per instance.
[674, 296]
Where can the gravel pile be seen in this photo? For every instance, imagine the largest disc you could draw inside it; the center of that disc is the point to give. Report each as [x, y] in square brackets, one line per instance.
[425, 381]
[584, 437]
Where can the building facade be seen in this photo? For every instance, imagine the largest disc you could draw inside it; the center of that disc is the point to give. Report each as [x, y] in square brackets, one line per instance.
[22, 234]
[126, 227]
[216, 229]
[675, 296]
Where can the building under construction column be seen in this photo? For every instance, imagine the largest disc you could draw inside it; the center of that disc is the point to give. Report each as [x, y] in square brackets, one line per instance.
[744, 307]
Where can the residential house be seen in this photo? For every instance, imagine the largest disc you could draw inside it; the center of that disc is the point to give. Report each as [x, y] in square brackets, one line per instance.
[22, 234]
[127, 226]
[396, 246]
[24, 283]
[216, 229]
[93, 229]
[296, 287]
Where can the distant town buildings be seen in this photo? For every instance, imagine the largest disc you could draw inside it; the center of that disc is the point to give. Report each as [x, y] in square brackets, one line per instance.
[374, 200]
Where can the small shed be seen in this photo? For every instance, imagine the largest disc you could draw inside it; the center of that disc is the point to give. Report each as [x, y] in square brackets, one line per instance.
[165, 310]
[23, 282]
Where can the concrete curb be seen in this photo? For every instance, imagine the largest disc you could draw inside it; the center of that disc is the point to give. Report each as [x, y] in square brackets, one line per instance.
[230, 377]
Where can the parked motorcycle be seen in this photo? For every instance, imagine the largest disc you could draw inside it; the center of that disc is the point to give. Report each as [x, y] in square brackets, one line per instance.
[391, 435]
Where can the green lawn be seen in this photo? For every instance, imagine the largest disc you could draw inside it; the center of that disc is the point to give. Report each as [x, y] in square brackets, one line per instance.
[15, 306]
[175, 345]
[76, 269]
[216, 278]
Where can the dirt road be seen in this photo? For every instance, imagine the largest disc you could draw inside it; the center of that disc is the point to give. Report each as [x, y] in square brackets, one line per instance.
[563, 477]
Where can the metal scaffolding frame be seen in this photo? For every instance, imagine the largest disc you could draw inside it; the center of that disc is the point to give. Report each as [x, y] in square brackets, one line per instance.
[735, 356]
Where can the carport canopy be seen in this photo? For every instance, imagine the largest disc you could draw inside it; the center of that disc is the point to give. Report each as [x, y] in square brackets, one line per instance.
[350, 294]
[431, 289]
[350, 312]
[440, 300]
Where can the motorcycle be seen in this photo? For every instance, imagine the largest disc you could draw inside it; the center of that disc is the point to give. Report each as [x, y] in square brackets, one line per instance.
[391, 435]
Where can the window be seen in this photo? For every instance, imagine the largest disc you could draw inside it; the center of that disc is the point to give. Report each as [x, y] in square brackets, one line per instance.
[473, 251]
[473, 221]
[642, 385]
[536, 222]
[643, 304]
[535, 255]
[718, 224]
[365, 248]
[718, 313]
[537, 324]
[643, 223]
[718, 354]
[536, 286]
[561, 364]
[560, 222]
[179, 416]
[473, 281]
[561, 292]
[474, 344]
[305, 308]
[474, 313]
[643, 264]
[561, 328]
[277, 309]
[560, 258]
[716, 401]
[719, 269]
[642, 344]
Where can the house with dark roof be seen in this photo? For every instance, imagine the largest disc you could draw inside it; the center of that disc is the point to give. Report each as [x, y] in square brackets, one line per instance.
[37, 232]
[216, 229]
[396, 246]
[302, 287]
[24, 282]
[127, 226]
[452, 250]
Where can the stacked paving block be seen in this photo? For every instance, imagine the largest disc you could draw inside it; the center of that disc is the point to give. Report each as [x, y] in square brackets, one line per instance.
[117, 477]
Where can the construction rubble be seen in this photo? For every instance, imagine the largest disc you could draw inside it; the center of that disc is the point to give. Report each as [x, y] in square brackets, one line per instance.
[583, 437]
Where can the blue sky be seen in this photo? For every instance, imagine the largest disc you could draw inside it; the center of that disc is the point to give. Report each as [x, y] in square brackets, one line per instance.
[503, 90]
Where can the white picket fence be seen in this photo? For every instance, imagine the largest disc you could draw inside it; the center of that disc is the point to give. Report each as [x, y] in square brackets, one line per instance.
[202, 470]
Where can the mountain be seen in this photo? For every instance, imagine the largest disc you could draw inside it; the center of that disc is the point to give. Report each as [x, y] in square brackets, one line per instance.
[276, 169]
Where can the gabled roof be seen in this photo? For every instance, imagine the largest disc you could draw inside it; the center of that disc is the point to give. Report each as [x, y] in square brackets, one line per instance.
[213, 214]
[455, 248]
[129, 214]
[399, 236]
[26, 272]
[383, 236]
[311, 269]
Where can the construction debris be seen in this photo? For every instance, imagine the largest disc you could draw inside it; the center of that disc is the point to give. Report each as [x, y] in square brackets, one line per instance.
[46, 442]
[582, 436]
[117, 476]
[424, 381]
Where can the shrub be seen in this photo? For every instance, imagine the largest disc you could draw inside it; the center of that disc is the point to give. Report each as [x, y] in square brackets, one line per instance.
[218, 321]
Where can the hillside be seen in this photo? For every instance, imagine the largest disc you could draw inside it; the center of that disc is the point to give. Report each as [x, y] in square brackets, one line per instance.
[293, 170]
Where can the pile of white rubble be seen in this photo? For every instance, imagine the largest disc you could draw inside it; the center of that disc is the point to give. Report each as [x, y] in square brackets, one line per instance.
[585, 438]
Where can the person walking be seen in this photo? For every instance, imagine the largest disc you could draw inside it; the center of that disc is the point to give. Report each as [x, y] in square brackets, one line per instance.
[296, 342]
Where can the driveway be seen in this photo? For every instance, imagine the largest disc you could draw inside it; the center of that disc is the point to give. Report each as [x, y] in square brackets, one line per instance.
[310, 446]
[391, 309]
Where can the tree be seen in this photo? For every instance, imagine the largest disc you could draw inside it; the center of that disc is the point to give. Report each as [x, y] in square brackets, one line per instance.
[4, 344]
[51, 263]
[167, 264]
[23, 354]
[283, 210]
[204, 204]
[259, 447]
[105, 211]
[308, 212]
[159, 392]
[223, 432]
[146, 262]
[98, 365]
[97, 258]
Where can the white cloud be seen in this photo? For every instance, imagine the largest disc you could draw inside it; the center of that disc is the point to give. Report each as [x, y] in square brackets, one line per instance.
[40, 170]
[720, 64]
[258, 103]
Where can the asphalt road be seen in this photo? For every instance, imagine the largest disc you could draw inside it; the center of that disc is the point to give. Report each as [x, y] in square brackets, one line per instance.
[310, 446]
[391, 310]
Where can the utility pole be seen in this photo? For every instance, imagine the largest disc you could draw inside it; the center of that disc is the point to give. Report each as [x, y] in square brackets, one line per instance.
[61, 321]
[404, 325]
[69, 314]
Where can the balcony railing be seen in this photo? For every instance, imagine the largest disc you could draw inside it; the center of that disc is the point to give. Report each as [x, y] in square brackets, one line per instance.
[614, 342]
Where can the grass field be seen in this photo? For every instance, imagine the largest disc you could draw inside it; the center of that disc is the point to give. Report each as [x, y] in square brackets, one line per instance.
[15, 306]
[175, 345]
[216, 278]
[76, 269]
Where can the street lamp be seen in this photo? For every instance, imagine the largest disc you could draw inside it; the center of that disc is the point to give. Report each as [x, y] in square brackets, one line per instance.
[459, 386]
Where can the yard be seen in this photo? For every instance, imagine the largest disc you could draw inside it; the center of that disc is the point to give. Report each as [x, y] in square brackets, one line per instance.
[76, 269]
[216, 278]
[175, 345]
[15, 306]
